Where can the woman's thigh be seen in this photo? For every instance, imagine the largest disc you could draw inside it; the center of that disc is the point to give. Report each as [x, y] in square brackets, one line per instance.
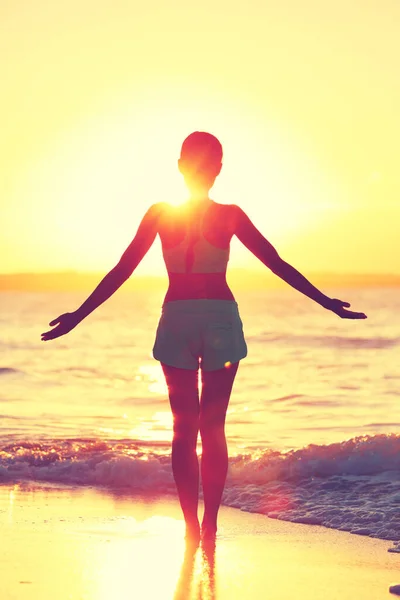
[215, 395]
[183, 391]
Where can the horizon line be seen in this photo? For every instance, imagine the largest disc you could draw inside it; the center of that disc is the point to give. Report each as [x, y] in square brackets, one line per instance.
[242, 270]
[71, 280]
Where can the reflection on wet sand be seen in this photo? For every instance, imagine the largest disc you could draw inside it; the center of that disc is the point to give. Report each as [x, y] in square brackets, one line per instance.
[197, 576]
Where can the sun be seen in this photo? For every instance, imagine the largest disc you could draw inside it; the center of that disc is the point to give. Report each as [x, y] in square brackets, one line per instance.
[98, 180]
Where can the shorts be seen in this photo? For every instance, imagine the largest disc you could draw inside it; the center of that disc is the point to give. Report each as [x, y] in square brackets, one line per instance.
[200, 333]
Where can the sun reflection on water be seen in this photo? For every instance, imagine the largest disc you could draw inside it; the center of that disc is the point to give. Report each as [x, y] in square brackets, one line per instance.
[154, 377]
[11, 501]
[156, 428]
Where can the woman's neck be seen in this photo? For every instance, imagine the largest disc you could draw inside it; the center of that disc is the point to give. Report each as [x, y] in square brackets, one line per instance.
[198, 200]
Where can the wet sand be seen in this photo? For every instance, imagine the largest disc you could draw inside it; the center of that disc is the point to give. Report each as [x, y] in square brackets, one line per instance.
[70, 543]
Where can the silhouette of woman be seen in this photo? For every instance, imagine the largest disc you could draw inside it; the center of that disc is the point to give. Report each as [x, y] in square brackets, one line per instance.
[200, 326]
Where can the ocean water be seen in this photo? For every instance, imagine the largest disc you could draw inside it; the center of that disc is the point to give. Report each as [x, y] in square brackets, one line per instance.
[312, 427]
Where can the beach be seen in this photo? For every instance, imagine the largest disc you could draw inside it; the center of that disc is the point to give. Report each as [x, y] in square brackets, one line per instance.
[72, 543]
[88, 507]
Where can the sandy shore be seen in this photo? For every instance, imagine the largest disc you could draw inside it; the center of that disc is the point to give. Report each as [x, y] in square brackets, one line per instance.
[64, 543]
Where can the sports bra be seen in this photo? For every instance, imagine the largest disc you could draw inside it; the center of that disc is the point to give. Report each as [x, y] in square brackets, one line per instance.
[195, 254]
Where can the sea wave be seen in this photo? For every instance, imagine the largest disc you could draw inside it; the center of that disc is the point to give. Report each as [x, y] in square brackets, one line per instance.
[353, 485]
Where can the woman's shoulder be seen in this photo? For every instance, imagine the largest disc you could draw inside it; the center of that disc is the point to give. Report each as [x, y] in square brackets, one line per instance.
[230, 213]
[158, 211]
[159, 207]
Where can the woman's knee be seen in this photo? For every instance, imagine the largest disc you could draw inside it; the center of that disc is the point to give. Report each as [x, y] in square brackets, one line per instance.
[212, 428]
[186, 428]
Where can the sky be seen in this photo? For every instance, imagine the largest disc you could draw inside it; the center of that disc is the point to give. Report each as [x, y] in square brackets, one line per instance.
[97, 97]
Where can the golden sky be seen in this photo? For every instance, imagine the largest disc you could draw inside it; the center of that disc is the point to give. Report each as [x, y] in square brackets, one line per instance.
[97, 96]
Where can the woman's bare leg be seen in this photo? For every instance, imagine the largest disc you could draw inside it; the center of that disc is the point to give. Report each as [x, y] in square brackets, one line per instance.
[184, 399]
[215, 394]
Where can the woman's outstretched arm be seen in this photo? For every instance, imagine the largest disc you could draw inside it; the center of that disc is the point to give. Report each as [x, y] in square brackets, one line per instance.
[130, 259]
[249, 235]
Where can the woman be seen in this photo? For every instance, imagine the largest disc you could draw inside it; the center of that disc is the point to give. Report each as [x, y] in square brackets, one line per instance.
[200, 326]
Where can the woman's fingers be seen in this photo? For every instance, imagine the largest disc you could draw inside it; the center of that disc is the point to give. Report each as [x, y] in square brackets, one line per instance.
[340, 308]
[342, 302]
[46, 335]
[50, 335]
[348, 314]
[55, 321]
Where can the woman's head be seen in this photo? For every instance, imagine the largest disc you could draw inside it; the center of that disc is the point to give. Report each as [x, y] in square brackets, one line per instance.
[200, 161]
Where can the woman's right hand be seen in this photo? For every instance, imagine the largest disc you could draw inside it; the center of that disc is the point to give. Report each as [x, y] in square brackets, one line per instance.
[339, 308]
[64, 323]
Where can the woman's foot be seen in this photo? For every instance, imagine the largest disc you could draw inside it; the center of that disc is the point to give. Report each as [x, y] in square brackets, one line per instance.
[208, 531]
